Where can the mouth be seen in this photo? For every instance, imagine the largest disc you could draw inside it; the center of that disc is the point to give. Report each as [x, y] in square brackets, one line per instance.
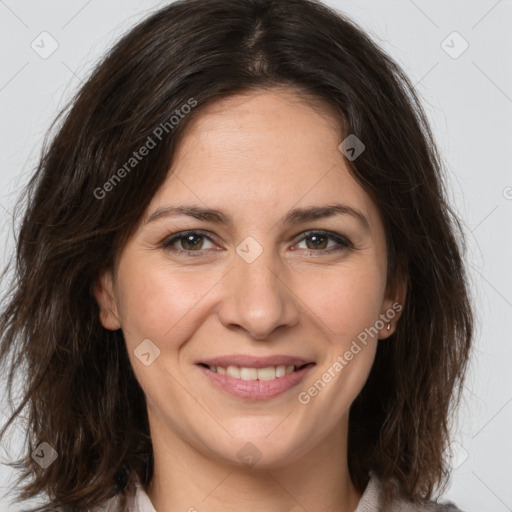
[256, 382]
[266, 373]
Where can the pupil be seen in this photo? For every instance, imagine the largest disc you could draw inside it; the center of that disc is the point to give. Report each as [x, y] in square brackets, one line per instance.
[317, 244]
[189, 238]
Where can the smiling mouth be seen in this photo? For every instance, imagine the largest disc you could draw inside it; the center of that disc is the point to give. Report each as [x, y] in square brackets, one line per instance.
[250, 384]
[267, 373]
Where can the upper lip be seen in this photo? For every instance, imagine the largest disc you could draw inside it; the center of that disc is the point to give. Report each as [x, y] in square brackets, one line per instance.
[247, 361]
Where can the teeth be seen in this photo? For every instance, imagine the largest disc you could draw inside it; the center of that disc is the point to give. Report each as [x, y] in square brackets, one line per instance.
[280, 371]
[233, 371]
[268, 373]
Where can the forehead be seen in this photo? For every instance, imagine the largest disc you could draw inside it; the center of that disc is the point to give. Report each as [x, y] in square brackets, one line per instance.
[263, 151]
[278, 122]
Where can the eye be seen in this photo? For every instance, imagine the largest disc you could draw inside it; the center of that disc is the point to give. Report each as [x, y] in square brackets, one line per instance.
[319, 241]
[190, 241]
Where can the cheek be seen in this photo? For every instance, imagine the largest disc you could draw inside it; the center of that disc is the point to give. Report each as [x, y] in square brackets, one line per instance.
[161, 303]
[346, 300]
[165, 306]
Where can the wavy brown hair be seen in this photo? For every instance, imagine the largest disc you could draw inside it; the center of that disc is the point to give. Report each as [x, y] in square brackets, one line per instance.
[79, 393]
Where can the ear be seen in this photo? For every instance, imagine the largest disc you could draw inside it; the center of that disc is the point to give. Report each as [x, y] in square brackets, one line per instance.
[392, 306]
[104, 292]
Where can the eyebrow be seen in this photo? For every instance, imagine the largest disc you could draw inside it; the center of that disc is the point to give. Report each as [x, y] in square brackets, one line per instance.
[294, 216]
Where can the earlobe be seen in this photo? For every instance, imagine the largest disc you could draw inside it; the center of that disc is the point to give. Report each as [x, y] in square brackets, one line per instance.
[392, 310]
[104, 294]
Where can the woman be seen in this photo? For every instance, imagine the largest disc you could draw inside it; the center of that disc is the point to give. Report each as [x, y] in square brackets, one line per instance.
[238, 283]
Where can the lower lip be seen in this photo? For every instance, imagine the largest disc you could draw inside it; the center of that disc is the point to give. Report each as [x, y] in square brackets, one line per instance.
[256, 389]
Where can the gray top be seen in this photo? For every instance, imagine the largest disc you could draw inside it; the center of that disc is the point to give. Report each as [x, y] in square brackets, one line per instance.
[371, 499]
[370, 502]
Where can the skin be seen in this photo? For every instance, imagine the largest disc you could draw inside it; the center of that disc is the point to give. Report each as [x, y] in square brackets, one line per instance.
[255, 157]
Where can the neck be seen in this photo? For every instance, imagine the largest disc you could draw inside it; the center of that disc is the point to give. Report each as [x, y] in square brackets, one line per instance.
[187, 479]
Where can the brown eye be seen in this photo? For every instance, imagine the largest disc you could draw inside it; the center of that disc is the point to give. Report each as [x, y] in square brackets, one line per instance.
[191, 241]
[318, 241]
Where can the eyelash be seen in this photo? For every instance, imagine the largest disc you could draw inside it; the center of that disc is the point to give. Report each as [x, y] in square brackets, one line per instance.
[343, 243]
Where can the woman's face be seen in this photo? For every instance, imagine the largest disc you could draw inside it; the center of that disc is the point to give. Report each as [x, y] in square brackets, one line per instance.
[260, 276]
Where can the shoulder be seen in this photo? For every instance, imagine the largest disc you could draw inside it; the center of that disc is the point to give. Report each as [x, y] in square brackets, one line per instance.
[136, 500]
[430, 506]
[372, 497]
[111, 505]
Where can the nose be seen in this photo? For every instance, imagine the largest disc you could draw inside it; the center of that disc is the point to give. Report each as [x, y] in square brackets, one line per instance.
[257, 299]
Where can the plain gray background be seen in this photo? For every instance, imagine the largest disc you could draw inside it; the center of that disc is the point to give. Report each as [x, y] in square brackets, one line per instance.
[468, 98]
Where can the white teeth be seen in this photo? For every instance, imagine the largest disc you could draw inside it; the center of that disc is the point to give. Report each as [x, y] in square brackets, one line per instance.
[268, 373]
[242, 373]
[233, 371]
[248, 373]
[280, 370]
